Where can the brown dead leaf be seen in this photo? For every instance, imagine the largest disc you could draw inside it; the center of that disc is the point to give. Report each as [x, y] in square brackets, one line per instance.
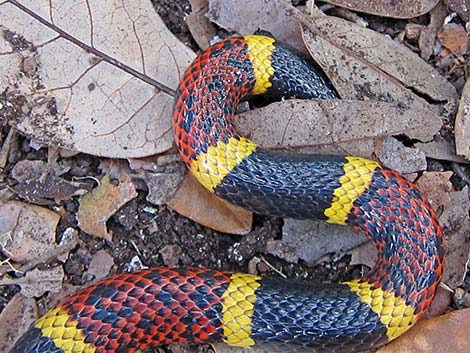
[15, 319]
[27, 231]
[38, 185]
[387, 8]
[100, 265]
[446, 333]
[393, 154]
[437, 188]
[462, 123]
[309, 240]
[455, 38]
[249, 16]
[192, 200]
[364, 64]
[455, 222]
[50, 190]
[99, 205]
[329, 126]
[100, 74]
[441, 149]
[37, 282]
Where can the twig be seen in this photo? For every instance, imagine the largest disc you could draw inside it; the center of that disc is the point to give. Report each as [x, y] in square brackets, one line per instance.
[6, 149]
[273, 268]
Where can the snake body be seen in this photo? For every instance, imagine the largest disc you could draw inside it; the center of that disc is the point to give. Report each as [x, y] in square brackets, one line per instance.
[149, 308]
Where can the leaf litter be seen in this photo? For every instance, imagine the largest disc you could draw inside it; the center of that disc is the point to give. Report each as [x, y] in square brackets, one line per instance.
[103, 76]
[395, 87]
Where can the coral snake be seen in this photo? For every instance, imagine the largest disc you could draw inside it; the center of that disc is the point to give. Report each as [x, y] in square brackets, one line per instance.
[158, 306]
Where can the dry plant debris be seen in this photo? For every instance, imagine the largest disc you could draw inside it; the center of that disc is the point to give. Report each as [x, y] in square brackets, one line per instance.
[94, 77]
[462, 123]
[96, 207]
[397, 9]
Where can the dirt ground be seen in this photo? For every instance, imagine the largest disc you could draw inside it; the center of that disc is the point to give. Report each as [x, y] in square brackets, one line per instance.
[143, 230]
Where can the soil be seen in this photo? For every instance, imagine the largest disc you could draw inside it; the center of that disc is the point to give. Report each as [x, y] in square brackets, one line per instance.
[141, 230]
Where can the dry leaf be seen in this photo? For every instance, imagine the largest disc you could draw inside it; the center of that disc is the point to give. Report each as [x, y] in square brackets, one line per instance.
[50, 190]
[455, 222]
[455, 38]
[15, 319]
[437, 188]
[462, 123]
[192, 200]
[249, 16]
[334, 126]
[99, 205]
[428, 35]
[364, 254]
[309, 240]
[393, 154]
[100, 265]
[95, 76]
[387, 8]
[37, 282]
[27, 231]
[447, 333]
[440, 149]
[365, 64]
[163, 185]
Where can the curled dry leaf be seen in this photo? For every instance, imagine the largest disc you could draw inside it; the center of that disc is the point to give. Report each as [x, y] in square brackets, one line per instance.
[247, 17]
[15, 319]
[387, 8]
[37, 282]
[192, 200]
[365, 64]
[455, 222]
[328, 126]
[462, 123]
[95, 76]
[446, 333]
[27, 231]
[99, 205]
